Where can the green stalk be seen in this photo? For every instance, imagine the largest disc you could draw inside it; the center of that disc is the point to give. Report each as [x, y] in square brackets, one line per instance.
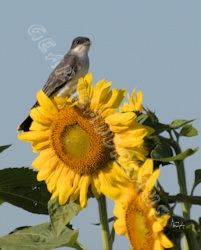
[182, 181]
[190, 241]
[181, 178]
[107, 243]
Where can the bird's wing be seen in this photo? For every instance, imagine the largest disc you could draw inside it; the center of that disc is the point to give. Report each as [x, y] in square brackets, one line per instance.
[62, 74]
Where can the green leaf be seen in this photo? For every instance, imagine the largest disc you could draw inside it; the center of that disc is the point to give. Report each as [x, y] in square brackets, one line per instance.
[179, 123]
[151, 114]
[20, 187]
[162, 193]
[197, 179]
[2, 148]
[173, 234]
[148, 121]
[161, 151]
[113, 218]
[193, 226]
[192, 231]
[62, 215]
[112, 235]
[18, 229]
[182, 156]
[185, 198]
[188, 130]
[1, 201]
[177, 223]
[39, 237]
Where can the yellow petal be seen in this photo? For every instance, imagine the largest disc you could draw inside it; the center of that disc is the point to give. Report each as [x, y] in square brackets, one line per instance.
[45, 113]
[120, 226]
[152, 179]
[53, 177]
[119, 211]
[130, 153]
[39, 118]
[146, 168]
[75, 185]
[135, 125]
[80, 87]
[95, 185]
[84, 191]
[135, 103]
[46, 170]
[121, 109]
[127, 141]
[126, 107]
[68, 179]
[37, 126]
[139, 96]
[62, 180]
[64, 185]
[76, 193]
[157, 245]
[106, 177]
[34, 135]
[88, 80]
[62, 199]
[118, 121]
[165, 241]
[83, 91]
[157, 227]
[111, 192]
[46, 103]
[164, 219]
[42, 158]
[120, 172]
[128, 96]
[152, 213]
[58, 100]
[54, 194]
[99, 92]
[40, 145]
[138, 132]
[112, 101]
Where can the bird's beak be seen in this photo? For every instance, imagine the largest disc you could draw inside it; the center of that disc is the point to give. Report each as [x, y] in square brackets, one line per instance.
[87, 43]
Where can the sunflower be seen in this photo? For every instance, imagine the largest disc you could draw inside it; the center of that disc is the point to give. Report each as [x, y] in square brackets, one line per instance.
[80, 139]
[139, 153]
[134, 209]
[135, 102]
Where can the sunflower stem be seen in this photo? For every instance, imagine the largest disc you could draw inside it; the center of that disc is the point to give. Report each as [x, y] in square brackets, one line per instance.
[189, 237]
[181, 180]
[191, 241]
[107, 243]
[180, 175]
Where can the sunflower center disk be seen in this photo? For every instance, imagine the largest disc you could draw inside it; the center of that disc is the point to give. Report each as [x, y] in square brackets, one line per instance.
[138, 226]
[80, 140]
[76, 141]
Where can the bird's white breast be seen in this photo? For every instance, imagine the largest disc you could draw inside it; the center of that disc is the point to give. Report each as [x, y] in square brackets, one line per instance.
[82, 70]
[71, 86]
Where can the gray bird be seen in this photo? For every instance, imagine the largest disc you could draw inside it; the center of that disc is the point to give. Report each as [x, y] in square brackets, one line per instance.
[63, 79]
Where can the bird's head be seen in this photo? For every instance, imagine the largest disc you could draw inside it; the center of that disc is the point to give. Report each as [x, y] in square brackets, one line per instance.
[81, 44]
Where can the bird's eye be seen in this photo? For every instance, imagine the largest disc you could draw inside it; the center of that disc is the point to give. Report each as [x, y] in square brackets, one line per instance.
[77, 41]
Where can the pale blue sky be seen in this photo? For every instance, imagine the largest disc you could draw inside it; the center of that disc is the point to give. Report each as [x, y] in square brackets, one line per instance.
[154, 45]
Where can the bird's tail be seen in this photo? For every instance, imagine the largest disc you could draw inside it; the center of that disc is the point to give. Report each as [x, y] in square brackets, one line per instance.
[24, 126]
